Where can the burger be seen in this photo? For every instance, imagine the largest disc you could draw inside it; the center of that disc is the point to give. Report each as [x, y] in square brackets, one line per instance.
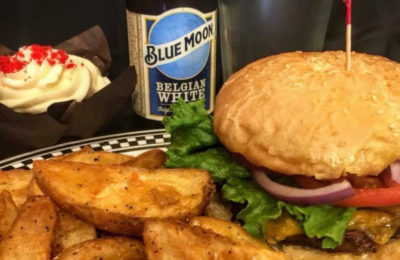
[307, 150]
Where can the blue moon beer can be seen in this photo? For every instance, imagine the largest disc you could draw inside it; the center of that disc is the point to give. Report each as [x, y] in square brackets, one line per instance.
[172, 45]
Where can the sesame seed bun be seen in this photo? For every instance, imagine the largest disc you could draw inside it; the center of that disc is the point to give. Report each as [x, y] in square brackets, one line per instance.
[303, 113]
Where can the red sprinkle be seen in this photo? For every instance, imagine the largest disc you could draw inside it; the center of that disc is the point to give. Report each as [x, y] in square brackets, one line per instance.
[62, 56]
[39, 54]
[20, 54]
[70, 65]
[10, 64]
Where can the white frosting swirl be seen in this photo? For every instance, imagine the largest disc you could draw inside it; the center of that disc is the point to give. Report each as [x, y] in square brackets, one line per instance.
[39, 84]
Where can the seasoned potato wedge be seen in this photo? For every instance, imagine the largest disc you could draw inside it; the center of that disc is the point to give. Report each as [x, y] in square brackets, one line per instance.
[33, 189]
[121, 248]
[227, 229]
[87, 155]
[69, 231]
[151, 159]
[32, 232]
[169, 239]
[8, 213]
[16, 182]
[119, 198]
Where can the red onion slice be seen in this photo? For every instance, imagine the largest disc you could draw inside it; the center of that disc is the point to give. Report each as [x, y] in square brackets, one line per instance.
[328, 194]
[395, 172]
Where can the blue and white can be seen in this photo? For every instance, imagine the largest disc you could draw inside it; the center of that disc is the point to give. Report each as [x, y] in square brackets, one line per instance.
[175, 57]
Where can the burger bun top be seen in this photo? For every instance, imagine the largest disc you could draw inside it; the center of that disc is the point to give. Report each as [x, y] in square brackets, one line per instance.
[303, 113]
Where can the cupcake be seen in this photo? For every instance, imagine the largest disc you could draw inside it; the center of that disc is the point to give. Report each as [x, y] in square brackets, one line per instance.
[49, 95]
[36, 77]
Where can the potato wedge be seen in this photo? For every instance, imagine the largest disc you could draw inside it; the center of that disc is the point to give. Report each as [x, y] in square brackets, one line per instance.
[33, 189]
[170, 239]
[16, 182]
[119, 198]
[70, 231]
[87, 155]
[121, 248]
[151, 159]
[8, 213]
[32, 232]
[227, 229]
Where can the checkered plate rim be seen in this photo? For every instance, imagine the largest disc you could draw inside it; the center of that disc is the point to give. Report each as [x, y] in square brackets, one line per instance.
[122, 143]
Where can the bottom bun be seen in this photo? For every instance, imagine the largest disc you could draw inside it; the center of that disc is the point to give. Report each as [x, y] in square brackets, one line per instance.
[390, 250]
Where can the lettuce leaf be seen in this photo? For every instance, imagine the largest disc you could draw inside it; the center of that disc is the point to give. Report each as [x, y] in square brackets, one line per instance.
[195, 145]
[325, 221]
[217, 161]
[260, 207]
[190, 127]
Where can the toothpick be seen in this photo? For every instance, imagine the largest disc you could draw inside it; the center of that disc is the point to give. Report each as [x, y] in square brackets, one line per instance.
[348, 47]
[348, 34]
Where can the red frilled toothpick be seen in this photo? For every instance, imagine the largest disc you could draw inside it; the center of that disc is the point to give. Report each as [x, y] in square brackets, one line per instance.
[348, 34]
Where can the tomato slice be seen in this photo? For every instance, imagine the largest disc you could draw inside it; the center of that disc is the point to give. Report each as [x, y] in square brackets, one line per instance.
[379, 197]
[364, 197]
[376, 197]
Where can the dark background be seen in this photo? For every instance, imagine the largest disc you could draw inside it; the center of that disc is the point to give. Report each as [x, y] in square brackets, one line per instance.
[376, 30]
[259, 28]
[376, 25]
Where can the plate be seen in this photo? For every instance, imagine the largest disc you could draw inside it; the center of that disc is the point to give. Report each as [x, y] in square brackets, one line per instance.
[130, 143]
